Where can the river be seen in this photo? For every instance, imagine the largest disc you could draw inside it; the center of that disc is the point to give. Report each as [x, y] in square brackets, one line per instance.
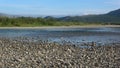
[74, 35]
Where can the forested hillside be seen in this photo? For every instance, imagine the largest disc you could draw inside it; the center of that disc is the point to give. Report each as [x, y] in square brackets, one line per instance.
[112, 17]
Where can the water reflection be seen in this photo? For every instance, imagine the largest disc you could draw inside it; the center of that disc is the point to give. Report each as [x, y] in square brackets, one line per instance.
[75, 35]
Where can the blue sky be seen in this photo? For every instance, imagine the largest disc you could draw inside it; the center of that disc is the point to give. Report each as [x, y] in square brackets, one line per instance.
[58, 7]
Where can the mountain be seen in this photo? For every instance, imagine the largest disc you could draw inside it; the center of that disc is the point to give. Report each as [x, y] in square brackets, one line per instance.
[8, 15]
[2, 14]
[112, 17]
[114, 13]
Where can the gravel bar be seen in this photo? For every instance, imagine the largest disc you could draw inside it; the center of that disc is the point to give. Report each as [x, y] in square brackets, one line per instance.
[41, 54]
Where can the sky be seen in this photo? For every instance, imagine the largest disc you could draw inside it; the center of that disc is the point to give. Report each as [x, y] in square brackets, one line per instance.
[58, 7]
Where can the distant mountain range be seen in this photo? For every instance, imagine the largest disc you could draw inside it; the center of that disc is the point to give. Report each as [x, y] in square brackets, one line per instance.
[8, 15]
[114, 13]
[111, 17]
[2, 14]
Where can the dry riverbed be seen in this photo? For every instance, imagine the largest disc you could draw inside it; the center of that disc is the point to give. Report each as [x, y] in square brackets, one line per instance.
[21, 54]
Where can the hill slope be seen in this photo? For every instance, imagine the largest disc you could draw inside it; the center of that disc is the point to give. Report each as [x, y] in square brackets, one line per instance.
[115, 13]
[112, 17]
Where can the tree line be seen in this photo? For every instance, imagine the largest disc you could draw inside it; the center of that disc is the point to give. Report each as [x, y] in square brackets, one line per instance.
[51, 21]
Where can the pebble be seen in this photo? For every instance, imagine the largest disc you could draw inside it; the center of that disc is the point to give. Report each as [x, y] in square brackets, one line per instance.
[14, 53]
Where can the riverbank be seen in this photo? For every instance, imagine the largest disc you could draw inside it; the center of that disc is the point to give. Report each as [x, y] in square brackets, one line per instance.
[47, 27]
[21, 54]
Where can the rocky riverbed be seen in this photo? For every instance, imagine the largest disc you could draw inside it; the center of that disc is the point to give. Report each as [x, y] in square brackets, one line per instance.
[41, 54]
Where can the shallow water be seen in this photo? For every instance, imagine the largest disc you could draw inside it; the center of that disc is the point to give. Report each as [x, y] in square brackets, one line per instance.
[74, 35]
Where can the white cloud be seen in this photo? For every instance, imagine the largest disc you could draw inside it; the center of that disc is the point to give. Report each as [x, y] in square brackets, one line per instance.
[113, 2]
[95, 11]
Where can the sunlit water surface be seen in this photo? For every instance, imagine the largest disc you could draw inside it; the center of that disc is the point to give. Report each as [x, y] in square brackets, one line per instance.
[74, 35]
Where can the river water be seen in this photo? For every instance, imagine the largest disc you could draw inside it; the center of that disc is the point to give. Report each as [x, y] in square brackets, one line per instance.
[74, 35]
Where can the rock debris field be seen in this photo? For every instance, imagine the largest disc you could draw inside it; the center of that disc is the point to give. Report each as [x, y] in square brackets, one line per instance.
[41, 54]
